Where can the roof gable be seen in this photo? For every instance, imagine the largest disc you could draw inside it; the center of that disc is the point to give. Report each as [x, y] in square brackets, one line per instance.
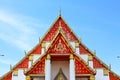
[113, 76]
[97, 63]
[38, 68]
[83, 49]
[36, 50]
[22, 64]
[60, 45]
[8, 76]
[60, 22]
[82, 68]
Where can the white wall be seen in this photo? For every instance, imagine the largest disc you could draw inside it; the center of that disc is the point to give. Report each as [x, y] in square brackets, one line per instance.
[84, 57]
[56, 65]
[100, 75]
[72, 44]
[35, 57]
[20, 76]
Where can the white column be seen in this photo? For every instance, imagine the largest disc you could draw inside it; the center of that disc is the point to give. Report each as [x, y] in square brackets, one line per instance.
[48, 68]
[72, 68]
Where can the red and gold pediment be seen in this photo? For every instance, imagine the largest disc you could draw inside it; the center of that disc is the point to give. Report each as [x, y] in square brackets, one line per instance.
[36, 50]
[59, 46]
[60, 23]
[8, 76]
[38, 68]
[83, 50]
[81, 67]
[97, 63]
[23, 63]
[113, 76]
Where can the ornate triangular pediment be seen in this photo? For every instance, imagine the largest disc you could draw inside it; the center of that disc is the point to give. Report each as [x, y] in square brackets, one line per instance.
[60, 75]
[60, 46]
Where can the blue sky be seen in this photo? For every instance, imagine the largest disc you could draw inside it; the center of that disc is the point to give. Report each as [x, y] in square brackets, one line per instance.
[23, 22]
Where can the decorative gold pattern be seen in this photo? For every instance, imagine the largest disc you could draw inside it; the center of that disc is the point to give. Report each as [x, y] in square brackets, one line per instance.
[76, 44]
[92, 77]
[31, 57]
[27, 77]
[43, 44]
[105, 71]
[90, 57]
[60, 47]
[48, 57]
[15, 72]
[71, 56]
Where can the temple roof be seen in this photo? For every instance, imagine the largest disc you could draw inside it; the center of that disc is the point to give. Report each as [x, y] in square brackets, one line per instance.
[59, 35]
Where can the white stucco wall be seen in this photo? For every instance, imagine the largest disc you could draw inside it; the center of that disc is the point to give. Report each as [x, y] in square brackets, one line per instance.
[72, 44]
[29, 64]
[35, 57]
[90, 64]
[84, 57]
[43, 50]
[47, 44]
[20, 76]
[100, 75]
[56, 65]
[77, 50]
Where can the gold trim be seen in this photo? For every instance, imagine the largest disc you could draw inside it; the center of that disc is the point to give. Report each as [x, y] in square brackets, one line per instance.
[36, 74]
[15, 72]
[31, 58]
[43, 44]
[92, 77]
[82, 74]
[48, 57]
[78, 56]
[105, 72]
[28, 78]
[71, 56]
[76, 44]
[90, 57]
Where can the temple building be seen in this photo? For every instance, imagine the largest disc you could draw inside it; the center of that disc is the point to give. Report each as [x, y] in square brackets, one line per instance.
[60, 55]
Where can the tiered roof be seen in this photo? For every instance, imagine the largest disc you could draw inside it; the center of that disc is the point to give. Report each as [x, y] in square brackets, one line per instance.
[60, 33]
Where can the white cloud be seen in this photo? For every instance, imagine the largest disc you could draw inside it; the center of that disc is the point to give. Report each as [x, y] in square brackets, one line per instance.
[7, 62]
[18, 29]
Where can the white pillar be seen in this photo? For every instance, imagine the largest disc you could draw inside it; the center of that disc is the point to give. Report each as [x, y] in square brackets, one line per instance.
[72, 68]
[48, 68]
